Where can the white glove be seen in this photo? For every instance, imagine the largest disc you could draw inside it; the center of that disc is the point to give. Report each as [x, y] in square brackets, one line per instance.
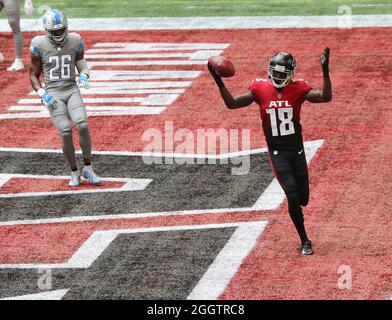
[28, 8]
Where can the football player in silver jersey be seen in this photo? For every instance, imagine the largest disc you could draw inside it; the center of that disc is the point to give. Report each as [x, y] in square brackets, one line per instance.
[56, 55]
[11, 8]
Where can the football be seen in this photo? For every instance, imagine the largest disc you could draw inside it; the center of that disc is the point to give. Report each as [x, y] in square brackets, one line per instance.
[223, 66]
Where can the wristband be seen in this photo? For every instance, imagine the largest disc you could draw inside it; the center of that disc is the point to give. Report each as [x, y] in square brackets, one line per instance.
[41, 92]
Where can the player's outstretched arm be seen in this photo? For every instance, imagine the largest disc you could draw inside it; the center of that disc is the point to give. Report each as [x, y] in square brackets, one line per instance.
[324, 95]
[230, 101]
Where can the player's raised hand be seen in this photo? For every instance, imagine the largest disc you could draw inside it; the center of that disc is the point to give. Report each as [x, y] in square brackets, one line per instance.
[216, 76]
[49, 101]
[28, 8]
[83, 81]
[324, 60]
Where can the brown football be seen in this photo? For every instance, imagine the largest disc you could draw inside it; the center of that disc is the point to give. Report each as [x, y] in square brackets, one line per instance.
[223, 66]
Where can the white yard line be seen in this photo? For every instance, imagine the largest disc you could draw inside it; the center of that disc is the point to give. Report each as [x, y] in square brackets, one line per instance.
[128, 185]
[190, 23]
[227, 262]
[46, 295]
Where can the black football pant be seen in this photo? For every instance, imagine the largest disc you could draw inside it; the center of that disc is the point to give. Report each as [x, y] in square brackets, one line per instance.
[291, 170]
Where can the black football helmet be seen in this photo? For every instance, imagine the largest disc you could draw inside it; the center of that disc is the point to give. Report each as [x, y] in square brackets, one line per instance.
[281, 69]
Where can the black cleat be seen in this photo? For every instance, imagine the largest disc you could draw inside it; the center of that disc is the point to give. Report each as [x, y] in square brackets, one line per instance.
[306, 248]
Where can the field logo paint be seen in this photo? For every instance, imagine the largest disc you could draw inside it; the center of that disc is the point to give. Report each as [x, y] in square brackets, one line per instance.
[186, 142]
[210, 286]
[345, 279]
[118, 88]
[25, 185]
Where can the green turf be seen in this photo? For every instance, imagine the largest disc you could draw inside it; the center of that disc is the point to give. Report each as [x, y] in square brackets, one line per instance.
[179, 8]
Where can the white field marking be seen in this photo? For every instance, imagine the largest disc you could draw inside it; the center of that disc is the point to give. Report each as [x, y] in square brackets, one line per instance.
[41, 114]
[151, 100]
[145, 154]
[270, 192]
[227, 262]
[162, 89]
[129, 51]
[30, 101]
[125, 92]
[108, 111]
[274, 194]
[200, 54]
[139, 85]
[162, 46]
[129, 185]
[47, 295]
[134, 111]
[106, 63]
[118, 91]
[99, 241]
[3, 180]
[310, 148]
[115, 75]
[91, 109]
[125, 216]
[191, 23]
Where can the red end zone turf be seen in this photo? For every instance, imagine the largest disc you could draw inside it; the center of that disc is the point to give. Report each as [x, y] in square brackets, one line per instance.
[348, 216]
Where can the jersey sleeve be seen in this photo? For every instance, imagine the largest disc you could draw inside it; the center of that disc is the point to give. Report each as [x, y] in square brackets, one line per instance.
[252, 86]
[78, 43]
[255, 87]
[35, 48]
[305, 87]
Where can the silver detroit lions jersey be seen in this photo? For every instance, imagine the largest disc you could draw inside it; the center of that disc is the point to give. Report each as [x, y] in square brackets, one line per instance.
[58, 63]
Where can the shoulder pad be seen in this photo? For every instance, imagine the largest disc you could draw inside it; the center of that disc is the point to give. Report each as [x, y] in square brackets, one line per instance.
[74, 35]
[303, 81]
[37, 45]
[76, 40]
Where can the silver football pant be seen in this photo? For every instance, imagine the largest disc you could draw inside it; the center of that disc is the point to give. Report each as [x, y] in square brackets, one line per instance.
[70, 108]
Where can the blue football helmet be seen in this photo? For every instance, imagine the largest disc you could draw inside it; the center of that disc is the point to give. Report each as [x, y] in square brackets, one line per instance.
[56, 26]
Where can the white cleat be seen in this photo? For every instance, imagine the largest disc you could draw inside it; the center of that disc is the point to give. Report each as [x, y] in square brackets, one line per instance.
[75, 179]
[90, 176]
[17, 65]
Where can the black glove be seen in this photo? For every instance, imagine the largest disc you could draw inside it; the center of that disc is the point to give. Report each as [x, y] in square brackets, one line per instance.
[216, 77]
[324, 60]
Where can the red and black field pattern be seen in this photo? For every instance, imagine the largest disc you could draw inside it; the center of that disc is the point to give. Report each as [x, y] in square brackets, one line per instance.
[348, 217]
